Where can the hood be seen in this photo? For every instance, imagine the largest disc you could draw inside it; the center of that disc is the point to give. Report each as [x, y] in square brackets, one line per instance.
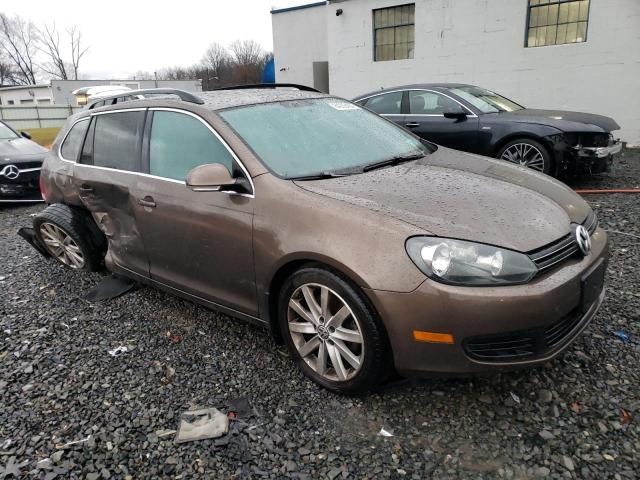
[562, 120]
[20, 149]
[464, 196]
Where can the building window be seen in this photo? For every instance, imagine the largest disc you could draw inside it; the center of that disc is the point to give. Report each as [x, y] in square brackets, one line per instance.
[393, 32]
[28, 101]
[554, 22]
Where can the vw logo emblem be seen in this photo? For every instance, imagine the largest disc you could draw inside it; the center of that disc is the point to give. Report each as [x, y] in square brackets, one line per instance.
[11, 172]
[583, 239]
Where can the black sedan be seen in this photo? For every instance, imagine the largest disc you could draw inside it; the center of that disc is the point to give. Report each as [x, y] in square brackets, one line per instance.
[20, 163]
[480, 121]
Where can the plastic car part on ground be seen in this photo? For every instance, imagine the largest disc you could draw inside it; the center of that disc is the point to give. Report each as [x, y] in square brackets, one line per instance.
[202, 424]
[208, 423]
[109, 288]
[29, 235]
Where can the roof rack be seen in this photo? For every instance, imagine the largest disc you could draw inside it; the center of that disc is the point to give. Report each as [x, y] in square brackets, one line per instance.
[303, 88]
[126, 96]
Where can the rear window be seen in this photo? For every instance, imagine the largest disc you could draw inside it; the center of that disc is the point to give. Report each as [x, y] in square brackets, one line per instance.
[73, 143]
[117, 140]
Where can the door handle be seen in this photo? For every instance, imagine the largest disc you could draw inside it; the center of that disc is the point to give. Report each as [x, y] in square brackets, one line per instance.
[86, 189]
[412, 125]
[147, 202]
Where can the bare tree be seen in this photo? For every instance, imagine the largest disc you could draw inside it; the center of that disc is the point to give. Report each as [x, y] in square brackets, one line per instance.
[77, 50]
[7, 75]
[56, 64]
[18, 41]
[49, 45]
[246, 52]
[216, 58]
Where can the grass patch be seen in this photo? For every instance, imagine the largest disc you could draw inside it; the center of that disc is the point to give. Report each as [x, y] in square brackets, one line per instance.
[44, 136]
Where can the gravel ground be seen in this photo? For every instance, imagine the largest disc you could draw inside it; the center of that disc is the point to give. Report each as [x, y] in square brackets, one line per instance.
[576, 417]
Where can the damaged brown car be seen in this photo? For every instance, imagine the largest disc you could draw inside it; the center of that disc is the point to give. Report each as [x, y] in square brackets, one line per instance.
[363, 248]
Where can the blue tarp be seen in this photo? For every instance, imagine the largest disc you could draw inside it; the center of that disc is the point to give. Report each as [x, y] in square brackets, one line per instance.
[269, 72]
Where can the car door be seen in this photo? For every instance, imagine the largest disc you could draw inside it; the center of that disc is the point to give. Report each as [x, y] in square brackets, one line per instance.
[106, 179]
[426, 118]
[199, 242]
[388, 105]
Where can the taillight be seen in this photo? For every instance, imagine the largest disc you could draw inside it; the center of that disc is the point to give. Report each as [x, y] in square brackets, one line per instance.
[43, 187]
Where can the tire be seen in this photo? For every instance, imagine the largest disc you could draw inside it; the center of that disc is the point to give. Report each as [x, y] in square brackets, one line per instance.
[84, 244]
[536, 155]
[334, 333]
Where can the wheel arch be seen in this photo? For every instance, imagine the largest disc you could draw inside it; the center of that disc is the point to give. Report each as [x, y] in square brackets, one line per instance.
[292, 264]
[524, 135]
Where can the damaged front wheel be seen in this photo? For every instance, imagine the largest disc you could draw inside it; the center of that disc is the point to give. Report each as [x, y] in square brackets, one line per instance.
[70, 236]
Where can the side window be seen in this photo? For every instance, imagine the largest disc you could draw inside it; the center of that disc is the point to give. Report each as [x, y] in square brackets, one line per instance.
[431, 103]
[73, 143]
[117, 139]
[386, 104]
[179, 143]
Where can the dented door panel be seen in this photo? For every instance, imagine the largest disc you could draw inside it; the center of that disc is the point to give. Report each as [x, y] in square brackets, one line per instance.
[112, 198]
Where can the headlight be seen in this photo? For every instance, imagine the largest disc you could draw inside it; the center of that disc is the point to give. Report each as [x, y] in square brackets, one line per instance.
[467, 263]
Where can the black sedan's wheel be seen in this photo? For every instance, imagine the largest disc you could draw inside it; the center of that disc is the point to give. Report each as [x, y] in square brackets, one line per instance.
[528, 153]
[331, 333]
[71, 237]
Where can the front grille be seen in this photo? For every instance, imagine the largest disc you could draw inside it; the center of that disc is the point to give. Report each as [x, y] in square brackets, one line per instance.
[522, 344]
[555, 253]
[25, 165]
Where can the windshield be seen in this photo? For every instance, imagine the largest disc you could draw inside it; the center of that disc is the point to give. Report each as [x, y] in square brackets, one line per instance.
[321, 135]
[485, 100]
[6, 133]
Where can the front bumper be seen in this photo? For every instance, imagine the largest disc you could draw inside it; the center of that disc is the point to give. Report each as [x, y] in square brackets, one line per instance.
[580, 159]
[550, 303]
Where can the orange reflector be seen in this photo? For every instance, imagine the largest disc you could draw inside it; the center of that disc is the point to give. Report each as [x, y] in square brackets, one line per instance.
[432, 337]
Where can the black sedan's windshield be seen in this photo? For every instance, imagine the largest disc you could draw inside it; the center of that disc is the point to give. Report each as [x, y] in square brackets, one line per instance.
[320, 136]
[485, 100]
[6, 133]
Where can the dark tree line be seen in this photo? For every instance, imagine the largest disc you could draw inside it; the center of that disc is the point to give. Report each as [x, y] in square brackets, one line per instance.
[242, 62]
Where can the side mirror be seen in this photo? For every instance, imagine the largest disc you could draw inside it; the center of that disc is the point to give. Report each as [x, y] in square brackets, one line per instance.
[457, 116]
[26, 135]
[212, 177]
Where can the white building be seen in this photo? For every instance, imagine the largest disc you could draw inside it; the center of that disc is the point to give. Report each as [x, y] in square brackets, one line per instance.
[58, 92]
[562, 54]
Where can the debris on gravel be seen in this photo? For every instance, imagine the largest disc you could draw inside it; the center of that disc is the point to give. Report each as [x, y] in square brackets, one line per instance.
[71, 410]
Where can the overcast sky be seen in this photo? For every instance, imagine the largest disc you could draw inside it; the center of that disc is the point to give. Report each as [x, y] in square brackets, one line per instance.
[144, 35]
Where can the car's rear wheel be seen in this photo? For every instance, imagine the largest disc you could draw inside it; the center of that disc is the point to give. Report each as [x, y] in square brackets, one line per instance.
[332, 333]
[71, 237]
[528, 153]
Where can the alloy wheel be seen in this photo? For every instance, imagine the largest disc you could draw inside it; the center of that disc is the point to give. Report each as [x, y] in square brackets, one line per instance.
[61, 246]
[526, 155]
[325, 332]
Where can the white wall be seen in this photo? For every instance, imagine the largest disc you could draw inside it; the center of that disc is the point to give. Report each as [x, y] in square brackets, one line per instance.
[482, 42]
[36, 93]
[299, 39]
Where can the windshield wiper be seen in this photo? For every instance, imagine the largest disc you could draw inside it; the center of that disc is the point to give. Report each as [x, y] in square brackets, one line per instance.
[320, 176]
[394, 161]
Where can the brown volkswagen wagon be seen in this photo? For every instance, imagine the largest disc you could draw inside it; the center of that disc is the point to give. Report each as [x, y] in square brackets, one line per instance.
[363, 248]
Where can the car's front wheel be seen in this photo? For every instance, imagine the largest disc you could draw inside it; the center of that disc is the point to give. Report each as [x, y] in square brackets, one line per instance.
[528, 153]
[331, 332]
